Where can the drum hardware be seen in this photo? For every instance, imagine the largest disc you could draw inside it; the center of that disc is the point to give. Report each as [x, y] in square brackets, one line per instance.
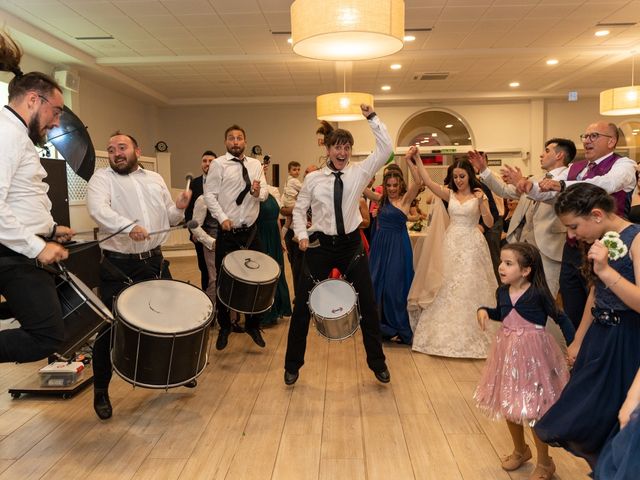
[333, 306]
[247, 281]
[160, 333]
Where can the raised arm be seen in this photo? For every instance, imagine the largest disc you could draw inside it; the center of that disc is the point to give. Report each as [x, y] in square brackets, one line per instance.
[413, 156]
[414, 188]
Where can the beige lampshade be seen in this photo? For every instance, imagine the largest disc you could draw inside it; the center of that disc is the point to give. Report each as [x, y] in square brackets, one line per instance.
[347, 29]
[620, 101]
[342, 107]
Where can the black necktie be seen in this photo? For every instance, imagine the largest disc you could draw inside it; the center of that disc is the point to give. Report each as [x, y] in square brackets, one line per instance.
[337, 202]
[247, 182]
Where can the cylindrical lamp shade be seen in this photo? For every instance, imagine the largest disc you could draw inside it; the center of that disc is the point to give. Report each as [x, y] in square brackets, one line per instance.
[620, 101]
[342, 107]
[347, 29]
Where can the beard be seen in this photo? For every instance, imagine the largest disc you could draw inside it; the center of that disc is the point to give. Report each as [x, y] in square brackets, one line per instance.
[36, 137]
[236, 151]
[124, 168]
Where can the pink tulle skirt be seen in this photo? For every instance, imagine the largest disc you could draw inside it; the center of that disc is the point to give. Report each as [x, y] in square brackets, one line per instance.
[523, 375]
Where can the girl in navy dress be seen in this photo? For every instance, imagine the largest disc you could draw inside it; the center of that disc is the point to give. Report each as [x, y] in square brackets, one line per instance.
[606, 349]
[525, 370]
[391, 256]
[619, 459]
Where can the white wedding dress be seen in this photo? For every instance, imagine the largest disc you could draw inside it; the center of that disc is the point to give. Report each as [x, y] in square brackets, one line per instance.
[448, 325]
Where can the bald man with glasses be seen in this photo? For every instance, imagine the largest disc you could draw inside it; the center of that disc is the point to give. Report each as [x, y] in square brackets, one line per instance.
[602, 167]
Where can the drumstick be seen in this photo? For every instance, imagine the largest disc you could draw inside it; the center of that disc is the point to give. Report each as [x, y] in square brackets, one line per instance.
[190, 225]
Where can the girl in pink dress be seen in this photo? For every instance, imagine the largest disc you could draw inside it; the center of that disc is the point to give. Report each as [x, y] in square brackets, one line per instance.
[525, 370]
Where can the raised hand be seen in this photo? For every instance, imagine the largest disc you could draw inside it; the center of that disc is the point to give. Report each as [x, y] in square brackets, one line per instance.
[366, 109]
[478, 160]
[511, 175]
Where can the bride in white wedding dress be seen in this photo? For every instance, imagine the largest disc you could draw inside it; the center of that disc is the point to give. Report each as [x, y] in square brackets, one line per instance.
[448, 326]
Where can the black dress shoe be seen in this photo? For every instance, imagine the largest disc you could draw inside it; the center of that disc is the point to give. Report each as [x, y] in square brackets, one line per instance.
[255, 334]
[223, 337]
[192, 384]
[383, 375]
[290, 378]
[102, 405]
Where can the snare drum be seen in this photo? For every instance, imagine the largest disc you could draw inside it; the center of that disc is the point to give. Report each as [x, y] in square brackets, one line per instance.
[82, 311]
[333, 305]
[247, 281]
[160, 333]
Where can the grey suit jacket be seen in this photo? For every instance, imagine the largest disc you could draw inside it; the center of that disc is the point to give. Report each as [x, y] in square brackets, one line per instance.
[549, 233]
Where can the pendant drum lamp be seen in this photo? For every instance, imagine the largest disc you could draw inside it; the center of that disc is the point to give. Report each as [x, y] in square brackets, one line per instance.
[347, 29]
[342, 107]
[621, 100]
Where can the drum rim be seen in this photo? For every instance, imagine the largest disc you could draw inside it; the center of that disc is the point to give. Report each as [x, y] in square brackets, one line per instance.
[71, 280]
[266, 282]
[158, 387]
[242, 311]
[118, 317]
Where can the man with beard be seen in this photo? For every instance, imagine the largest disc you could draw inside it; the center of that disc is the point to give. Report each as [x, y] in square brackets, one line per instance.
[196, 188]
[233, 191]
[126, 195]
[28, 234]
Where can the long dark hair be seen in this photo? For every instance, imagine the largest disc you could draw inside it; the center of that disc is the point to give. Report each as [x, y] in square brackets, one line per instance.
[467, 167]
[580, 199]
[21, 83]
[392, 173]
[528, 256]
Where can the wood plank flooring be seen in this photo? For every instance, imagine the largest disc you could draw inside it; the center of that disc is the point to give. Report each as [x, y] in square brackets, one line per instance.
[242, 422]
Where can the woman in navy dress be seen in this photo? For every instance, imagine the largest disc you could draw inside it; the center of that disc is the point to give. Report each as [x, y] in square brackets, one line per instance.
[391, 256]
[619, 459]
[606, 349]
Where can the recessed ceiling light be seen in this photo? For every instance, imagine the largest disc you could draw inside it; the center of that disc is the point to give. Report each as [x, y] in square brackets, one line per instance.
[448, 125]
[409, 38]
[289, 40]
[514, 84]
[456, 143]
[386, 88]
[434, 134]
[468, 138]
[602, 33]
[395, 66]
[552, 61]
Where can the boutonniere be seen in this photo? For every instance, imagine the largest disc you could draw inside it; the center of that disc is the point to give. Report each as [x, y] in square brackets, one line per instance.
[616, 247]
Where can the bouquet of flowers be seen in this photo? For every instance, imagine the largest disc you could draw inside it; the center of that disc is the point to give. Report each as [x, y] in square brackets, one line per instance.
[617, 248]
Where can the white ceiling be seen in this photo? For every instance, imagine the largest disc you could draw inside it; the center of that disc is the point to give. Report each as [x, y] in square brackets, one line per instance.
[224, 51]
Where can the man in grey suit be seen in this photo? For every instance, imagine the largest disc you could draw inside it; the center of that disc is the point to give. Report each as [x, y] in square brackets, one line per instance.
[535, 222]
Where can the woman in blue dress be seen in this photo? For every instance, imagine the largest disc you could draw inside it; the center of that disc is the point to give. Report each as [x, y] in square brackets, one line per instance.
[619, 459]
[391, 256]
[606, 350]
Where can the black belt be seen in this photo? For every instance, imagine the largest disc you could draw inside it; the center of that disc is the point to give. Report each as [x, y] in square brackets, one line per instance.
[156, 252]
[242, 229]
[606, 316]
[335, 239]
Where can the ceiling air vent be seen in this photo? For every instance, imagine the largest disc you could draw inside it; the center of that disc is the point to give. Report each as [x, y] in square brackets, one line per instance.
[431, 76]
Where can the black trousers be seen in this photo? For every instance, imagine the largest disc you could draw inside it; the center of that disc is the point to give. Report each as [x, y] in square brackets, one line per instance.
[202, 265]
[227, 242]
[573, 286]
[337, 251]
[294, 255]
[30, 293]
[113, 279]
[492, 236]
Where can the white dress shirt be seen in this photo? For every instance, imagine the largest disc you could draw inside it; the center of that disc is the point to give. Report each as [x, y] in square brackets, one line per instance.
[224, 184]
[559, 173]
[199, 215]
[25, 208]
[140, 197]
[622, 176]
[317, 190]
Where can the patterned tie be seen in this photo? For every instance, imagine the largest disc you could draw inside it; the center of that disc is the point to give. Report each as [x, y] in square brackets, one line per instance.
[247, 181]
[590, 167]
[338, 187]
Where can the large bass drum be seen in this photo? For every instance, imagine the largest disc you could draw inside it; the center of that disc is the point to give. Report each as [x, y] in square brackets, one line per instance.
[247, 281]
[160, 333]
[333, 304]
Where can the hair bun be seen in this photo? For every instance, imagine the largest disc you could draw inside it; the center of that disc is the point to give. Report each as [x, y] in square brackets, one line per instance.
[17, 72]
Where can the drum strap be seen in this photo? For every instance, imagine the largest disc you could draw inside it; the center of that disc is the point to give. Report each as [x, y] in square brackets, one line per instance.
[354, 260]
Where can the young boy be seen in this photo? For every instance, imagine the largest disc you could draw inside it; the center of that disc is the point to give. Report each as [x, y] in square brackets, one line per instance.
[290, 192]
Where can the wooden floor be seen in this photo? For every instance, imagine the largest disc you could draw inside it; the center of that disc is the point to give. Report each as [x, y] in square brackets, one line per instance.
[242, 422]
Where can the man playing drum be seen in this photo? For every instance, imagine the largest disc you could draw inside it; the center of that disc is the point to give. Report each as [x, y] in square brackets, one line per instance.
[28, 233]
[120, 195]
[233, 191]
[333, 240]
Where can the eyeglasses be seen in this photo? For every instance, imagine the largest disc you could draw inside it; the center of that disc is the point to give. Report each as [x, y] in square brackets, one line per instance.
[593, 136]
[57, 111]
